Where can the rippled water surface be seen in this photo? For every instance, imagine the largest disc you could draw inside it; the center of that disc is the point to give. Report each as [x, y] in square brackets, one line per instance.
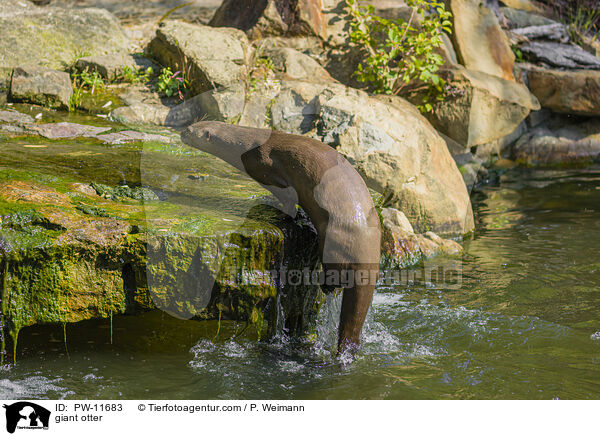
[524, 322]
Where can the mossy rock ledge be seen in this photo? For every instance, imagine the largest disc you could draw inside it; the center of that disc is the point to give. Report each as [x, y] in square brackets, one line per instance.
[90, 231]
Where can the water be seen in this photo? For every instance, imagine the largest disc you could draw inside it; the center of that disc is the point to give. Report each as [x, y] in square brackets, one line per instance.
[523, 324]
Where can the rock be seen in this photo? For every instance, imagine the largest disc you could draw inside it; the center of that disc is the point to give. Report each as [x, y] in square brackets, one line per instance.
[482, 108]
[210, 57]
[472, 174]
[472, 169]
[396, 218]
[571, 92]
[399, 154]
[52, 37]
[113, 66]
[290, 64]
[519, 18]
[480, 43]
[569, 144]
[294, 109]
[67, 130]
[41, 86]
[552, 32]
[401, 247]
[501, 146]
[131, 136]
[144, 113]
[260, 18]
[536, 118]
[108, 256]
[560, 55]
[224, 104]
[14, 117]
[524, 5]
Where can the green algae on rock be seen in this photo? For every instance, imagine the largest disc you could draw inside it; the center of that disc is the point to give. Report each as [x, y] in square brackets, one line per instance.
[77, 255]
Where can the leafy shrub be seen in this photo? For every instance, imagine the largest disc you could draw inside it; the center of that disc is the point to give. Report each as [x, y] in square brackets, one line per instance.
[401, 55]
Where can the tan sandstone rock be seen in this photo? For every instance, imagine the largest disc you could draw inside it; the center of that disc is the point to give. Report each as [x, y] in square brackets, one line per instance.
[480, 42]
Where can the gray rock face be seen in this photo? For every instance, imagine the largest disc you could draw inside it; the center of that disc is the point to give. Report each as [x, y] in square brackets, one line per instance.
[561, 55]
[552, 32]
[578, 143]
[209, 57]
[41, 86]
[112, 66]
[517, 18]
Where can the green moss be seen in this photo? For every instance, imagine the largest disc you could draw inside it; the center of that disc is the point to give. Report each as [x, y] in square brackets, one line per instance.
[70, 268]
[124, 191]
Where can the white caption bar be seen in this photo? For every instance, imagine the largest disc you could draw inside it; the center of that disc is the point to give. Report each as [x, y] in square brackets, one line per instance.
[297, 417]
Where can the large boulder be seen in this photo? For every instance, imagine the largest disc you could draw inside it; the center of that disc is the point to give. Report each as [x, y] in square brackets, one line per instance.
[399, 154]
[260, 18]
[480, 42]
[571, 92]
[566, 144]
[209, 57]
[53, 37]
[41, 86]
[481, 108]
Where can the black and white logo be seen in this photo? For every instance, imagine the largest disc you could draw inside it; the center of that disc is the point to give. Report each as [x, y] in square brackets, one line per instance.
[26, 415]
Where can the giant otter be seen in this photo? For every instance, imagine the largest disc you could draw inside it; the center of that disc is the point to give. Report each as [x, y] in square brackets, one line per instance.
[304, 171]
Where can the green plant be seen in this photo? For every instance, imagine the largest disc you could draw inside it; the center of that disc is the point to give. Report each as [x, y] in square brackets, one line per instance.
[135, 75]
[87, 80]
[75, 99]
[401, 55]
[262, 73]
[77, 54]
[582, 15]
[170, 83]
[518, 53]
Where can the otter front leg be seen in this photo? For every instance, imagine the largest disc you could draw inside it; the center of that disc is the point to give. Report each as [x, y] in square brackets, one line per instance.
[356, 301]
[358, 283]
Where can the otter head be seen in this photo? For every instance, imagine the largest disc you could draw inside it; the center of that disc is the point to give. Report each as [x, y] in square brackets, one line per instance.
[224, 141]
